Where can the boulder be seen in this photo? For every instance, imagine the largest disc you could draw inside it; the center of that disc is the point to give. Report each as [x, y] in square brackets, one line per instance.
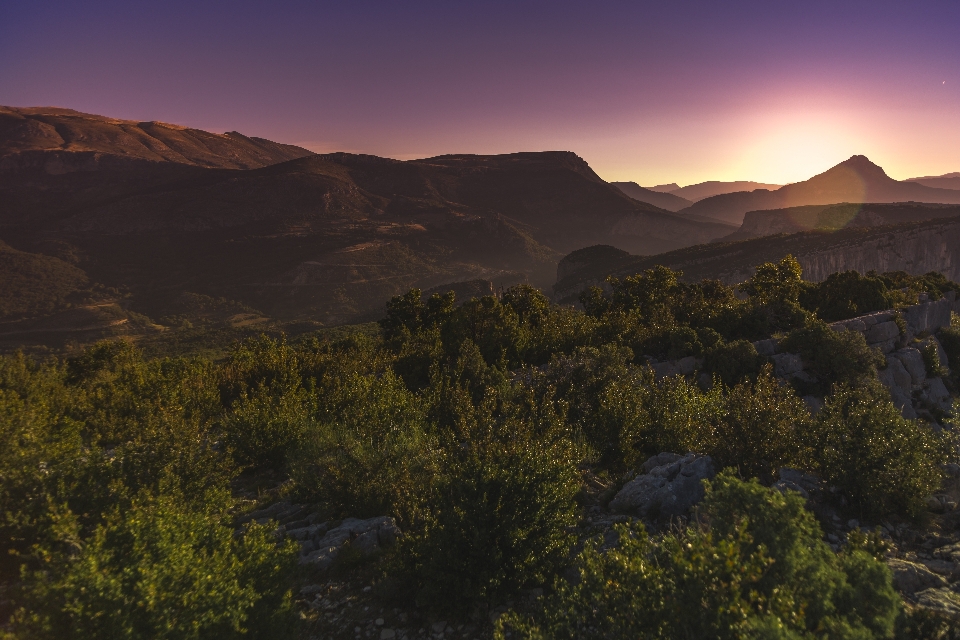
[928, 316]
[910, 577]
[785, 364]
[942, 600]
[912, 361]
[882, 332]
[665, 369]
[936, 394]
[766, 347]
[794, 480]
[901, 400]
[365, 536]
[895, 375]
[666, 490]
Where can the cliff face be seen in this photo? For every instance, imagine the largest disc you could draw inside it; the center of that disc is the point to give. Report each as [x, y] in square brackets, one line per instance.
[917, 248]
[916, 251]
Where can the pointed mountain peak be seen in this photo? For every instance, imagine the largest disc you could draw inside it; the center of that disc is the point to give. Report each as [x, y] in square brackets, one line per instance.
[859, 166]
[862, 165]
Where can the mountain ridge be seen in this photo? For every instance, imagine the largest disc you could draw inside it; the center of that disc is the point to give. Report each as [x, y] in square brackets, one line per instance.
[856, 179]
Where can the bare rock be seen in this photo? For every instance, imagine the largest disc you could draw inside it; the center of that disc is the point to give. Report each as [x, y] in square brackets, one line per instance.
[912, 361]
[941, 600]
[910, 577]
[785, 364]
[882, 332]
[667, 490]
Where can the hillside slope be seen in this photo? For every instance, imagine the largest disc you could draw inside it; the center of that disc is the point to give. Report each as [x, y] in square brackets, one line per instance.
[837, 216]
[701, 190]
[666, 201]
[327, 237]
[917, 248]
[854, 180]
[63, 140]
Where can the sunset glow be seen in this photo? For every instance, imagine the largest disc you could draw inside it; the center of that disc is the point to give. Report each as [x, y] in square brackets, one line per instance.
[686, 93]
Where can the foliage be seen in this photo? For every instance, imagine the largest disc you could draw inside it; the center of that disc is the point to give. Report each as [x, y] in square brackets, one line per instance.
[763, 429]
[847, 294]
[499, 521]
[760, 570]
[156, 569]
[372, 456]
[883, 462]
[833, 356]
[733, 361]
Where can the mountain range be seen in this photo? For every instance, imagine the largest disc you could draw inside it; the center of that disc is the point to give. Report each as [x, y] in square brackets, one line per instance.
[660, 199]
[701, 190]
[148, 213]
[946, 181]
[856, 180]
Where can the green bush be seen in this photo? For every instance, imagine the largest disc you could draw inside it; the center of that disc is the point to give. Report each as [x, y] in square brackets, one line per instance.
[733, 361]
[761, 570]
[263, 425]
[883, 462]
[157, 569]
[846, 294]
[498, 522]
[833, 356]
[371, 456]
[762, 429]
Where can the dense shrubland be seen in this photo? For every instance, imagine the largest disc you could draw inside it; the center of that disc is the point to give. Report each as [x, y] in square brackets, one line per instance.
[472, 425]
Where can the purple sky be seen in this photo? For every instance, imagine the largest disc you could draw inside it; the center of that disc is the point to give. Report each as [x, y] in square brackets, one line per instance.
[652, 92]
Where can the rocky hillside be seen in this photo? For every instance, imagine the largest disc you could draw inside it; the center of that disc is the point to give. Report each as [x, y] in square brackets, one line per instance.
[832, 217]
[854, 180]
[166, 211]
[63, 140]
[916, 248]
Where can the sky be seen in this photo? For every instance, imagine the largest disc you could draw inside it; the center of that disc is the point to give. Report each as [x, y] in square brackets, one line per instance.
[653, 92]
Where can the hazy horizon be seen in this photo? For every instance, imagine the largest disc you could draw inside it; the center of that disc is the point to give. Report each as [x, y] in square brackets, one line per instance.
[645, 93]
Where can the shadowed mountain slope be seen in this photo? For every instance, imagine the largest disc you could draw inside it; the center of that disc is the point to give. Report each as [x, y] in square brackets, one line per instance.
[917, 248]
[836, 216]
[323, 238]
[701, 190]
[666, 201]
[946, 181]
[62, 140]
[855, 180]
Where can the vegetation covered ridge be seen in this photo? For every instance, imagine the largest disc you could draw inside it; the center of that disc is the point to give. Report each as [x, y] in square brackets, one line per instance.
[501, 466]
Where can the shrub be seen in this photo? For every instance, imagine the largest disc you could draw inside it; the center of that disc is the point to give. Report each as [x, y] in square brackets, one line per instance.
[159, 570]
[846, 294]
[762, 428]
[263, 425]
[498, 522]
[372, 455]
[883, 462]
[950, 341]
[833, 356]
[760, 571]
[733, 361]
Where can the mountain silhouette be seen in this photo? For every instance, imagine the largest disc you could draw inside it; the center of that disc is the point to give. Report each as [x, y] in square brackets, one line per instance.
[666, 201]
[854, 180]
[701, 190]
[63, 140]
[324, 238]
[946, 181]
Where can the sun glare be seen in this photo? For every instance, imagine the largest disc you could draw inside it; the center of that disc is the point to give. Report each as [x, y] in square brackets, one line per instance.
[791, 150]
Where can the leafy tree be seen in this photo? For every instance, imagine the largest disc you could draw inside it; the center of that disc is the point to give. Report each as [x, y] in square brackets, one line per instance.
[883, 462]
